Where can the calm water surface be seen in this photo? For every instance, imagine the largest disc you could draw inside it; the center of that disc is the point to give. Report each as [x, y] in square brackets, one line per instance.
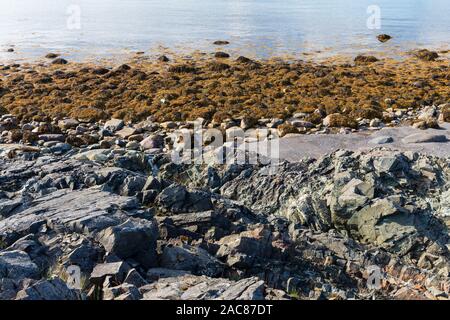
[260, 28]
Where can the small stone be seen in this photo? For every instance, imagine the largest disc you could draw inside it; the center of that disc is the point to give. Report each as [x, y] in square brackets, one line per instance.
[126, 132]
[17, 265]
[375, 123]
[68, 123]
[59, 61]
[221, 42]
[155, 141]
[163, 58]
[382, 140]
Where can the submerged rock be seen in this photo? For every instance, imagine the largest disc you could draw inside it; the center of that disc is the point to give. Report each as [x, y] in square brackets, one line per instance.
[384, 37]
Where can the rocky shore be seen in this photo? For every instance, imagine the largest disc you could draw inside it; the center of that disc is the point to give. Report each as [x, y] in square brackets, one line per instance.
[107, 198]
[87, 180]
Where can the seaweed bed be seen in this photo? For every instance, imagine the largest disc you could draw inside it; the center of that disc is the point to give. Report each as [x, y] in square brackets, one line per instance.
[220, 88]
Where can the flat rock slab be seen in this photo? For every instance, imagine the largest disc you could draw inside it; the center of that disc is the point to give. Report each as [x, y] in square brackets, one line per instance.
[190, 287]
[80, 211]
[425, 138]
[294, 148]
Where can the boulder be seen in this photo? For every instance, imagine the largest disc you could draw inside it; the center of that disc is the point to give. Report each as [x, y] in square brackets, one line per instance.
[62, 210]
[154, 141]
[191, 287]
[381, 140]
[114, 125]
[244, 249]
[17, 265]
[116, 270]
[132, 239]
[192, 259]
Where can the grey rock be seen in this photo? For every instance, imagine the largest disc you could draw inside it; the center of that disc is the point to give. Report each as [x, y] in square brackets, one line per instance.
[124, 291]
[55, 289]
[425, 138]
[126, 132]
[154, 274]
[192, 259]
[152, 183]
[17, 265]
[176, 199]
[133, 239]
[134, 278]
[381, 140]
[114, 124]
[85, 256]
[132, 185]
[63, 210]
[116, 270]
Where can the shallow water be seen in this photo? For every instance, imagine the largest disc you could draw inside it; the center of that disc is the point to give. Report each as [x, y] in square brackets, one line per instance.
[258, 28]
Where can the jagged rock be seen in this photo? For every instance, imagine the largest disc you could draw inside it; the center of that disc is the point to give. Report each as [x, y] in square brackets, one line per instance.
[154, 274]
[242, 250]
[125, 291]
[177, 198]
[384, 222]
[134, 278]
[85, 256]
[126, 132]
[132, 239]
[55, 289]
[116, 270]
[132, 185]
[192, 259]
[17, 265]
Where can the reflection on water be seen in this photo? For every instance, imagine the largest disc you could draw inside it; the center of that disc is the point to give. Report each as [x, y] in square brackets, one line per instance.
[256, 27]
